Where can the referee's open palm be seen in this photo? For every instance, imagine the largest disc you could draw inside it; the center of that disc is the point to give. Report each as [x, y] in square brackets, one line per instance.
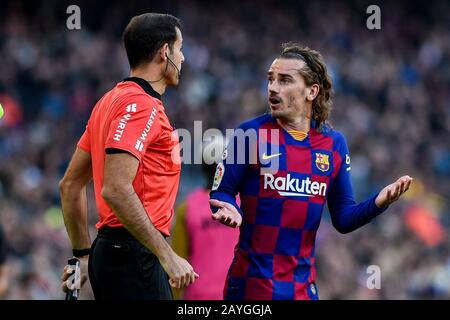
[227, 213]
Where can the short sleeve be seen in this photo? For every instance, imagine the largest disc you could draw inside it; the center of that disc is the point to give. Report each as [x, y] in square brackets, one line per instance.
[85, 141]
[135, 125]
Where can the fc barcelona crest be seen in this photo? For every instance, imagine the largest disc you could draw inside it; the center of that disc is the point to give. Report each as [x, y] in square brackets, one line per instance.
[322, 162]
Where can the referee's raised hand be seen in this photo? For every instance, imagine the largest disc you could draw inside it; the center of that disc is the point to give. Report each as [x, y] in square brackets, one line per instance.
[181, 273]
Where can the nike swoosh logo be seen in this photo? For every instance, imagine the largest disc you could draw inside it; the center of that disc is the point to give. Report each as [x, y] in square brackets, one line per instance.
[266, 157]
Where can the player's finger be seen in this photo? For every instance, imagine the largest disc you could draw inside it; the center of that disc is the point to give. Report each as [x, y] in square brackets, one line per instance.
[404, 186]
[407, 179]
[218, 215]
[233, 222]
[216, 203]
[229, 206]
[394, 192]
[408, 184]
[215, 216]
[388, 195]
[399, 191]
[228, 219]
[404, 178]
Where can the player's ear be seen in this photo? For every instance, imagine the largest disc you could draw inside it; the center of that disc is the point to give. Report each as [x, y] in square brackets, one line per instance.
[313, 92]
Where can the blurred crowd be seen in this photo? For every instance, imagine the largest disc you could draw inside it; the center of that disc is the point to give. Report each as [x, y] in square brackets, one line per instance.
[392, 102]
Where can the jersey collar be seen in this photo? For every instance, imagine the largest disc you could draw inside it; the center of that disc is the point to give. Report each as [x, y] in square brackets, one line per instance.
[313, 122]
[145, 86]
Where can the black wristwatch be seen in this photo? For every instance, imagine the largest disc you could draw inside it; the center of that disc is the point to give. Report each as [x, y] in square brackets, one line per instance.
[78, 253]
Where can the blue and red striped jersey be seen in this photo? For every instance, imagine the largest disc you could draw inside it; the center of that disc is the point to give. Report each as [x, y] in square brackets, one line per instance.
[284, 184]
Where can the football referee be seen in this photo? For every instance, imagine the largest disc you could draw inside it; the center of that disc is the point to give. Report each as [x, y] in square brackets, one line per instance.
[127, 150]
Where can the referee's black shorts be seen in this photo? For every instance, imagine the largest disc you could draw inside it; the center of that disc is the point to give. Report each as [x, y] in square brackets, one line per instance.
[120, 267]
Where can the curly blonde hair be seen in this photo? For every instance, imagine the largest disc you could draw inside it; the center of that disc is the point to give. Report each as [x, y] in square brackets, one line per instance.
[313, 71]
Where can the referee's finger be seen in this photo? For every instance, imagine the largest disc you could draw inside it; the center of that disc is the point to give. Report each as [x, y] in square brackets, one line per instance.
[183, 281]
[67, 272]
[64, 287]
[175, 283]
[192, 277]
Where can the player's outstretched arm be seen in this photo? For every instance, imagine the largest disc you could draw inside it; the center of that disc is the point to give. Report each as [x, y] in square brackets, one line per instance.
[393, 192]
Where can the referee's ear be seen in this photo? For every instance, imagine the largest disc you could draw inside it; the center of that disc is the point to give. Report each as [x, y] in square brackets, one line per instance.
[163, 52]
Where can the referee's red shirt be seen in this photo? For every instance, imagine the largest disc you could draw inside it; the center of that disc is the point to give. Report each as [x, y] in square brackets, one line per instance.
[131, 118]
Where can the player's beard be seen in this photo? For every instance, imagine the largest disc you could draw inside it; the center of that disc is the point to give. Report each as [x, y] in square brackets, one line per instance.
[281, 115]
[292, 107]
[282, 111]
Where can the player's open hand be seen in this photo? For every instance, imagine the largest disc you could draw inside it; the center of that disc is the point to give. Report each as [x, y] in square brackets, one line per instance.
[68, 275]
[392, 192]
[227, 213]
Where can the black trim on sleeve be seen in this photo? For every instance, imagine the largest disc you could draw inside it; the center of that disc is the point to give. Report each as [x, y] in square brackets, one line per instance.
[116, 151]
[144, 85]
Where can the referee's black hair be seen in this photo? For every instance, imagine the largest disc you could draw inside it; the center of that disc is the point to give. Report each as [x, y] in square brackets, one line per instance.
[146, 34]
